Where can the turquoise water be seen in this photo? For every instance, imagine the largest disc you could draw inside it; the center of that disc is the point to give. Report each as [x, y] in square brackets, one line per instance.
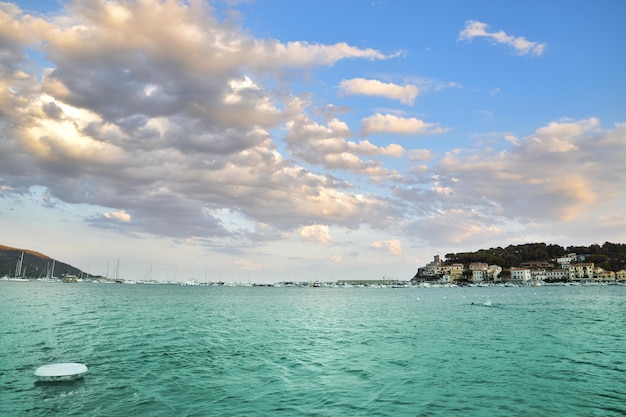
[163, 350]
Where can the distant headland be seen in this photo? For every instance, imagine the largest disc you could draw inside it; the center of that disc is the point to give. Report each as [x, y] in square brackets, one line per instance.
[531, 264]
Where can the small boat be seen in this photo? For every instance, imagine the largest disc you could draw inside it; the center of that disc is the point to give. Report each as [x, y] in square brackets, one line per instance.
[60, 372]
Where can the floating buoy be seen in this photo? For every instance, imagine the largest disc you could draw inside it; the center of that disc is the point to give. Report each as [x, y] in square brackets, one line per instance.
[61, 372]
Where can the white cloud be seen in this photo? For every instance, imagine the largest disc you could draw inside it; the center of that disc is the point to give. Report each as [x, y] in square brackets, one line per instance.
[147, 107]
[560, 136]
[456, 226]
[336, 259]
[559, 178]
[420, 155]
[521, 45]
[391, 246]
[210, 136]
[121, 216]
[389, 123]
[512, 139]
[316, 233]
[562, 170]
[404, 93]
[326, 145]
[248, 265]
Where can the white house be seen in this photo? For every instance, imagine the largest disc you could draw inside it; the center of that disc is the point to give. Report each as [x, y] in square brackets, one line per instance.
[521, 274]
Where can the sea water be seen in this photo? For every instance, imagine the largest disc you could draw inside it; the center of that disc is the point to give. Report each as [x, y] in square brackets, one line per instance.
[166, 350]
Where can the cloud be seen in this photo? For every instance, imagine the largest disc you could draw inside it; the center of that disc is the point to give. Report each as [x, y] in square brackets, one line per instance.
[303, 54]
[389, 123]
[420, 155]
[160, 110]
[405, 94]
[559, 172]
[248, 265]
[172, 123]
[316, 233]
[121, 216]
[512, 139]
[336, 259]
[47, 201]
[560, 177]
[391, 246]
[327, 146]
[520, 44]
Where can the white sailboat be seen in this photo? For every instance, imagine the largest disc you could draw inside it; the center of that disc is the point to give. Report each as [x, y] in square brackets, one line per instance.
[50, 275]
[19, 274]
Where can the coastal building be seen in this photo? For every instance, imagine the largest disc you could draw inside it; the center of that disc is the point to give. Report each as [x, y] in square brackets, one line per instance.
[493, 271]
[454, 269]
[479, 271]
[535, 265]
[526, 273]
[581, 272]
[565, 261]
[600, 275]
[482, 272]
[557, 275]
[479, 275]
[437, 268]
[538, 275]
[478, 266]
[431, 268]
[521, 275]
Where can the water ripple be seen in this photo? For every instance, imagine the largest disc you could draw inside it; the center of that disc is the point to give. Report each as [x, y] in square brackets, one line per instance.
[163, 350]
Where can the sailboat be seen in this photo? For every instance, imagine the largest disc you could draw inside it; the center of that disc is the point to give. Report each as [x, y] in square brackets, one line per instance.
[19, 275]
[50, 275]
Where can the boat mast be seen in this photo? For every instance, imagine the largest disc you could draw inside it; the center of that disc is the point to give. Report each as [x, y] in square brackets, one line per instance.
[18, 267]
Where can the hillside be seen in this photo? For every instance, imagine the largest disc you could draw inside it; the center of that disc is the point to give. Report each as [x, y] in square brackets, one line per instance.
[609, 256]
[35, 263]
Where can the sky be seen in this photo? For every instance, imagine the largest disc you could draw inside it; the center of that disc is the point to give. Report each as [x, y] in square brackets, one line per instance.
[273, 140]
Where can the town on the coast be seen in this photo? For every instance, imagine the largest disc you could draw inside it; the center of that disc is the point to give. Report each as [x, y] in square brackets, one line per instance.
[569, 270]
[534, 264]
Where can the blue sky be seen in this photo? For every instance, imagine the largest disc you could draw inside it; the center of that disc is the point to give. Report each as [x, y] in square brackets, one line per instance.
[277, 140]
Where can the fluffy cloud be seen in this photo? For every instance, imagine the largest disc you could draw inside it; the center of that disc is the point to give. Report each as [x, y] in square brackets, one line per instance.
[158, 109]
[336, 259]
[389, 123]
[405, 94]
[420, 155]
[316, 233]
[521, 45]
[457, 226]
[121, 216]
[327, 146]
[392, 246]
[553, 179]
[172, 123]
[559, 172]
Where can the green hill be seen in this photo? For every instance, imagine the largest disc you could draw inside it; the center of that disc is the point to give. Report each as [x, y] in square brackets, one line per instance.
[609, 256]
[36, 264]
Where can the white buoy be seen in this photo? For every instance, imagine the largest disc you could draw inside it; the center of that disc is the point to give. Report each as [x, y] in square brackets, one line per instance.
[61, 372]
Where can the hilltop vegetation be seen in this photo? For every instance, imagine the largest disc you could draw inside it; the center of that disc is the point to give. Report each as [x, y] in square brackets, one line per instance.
[609, 256]
[36, 264]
